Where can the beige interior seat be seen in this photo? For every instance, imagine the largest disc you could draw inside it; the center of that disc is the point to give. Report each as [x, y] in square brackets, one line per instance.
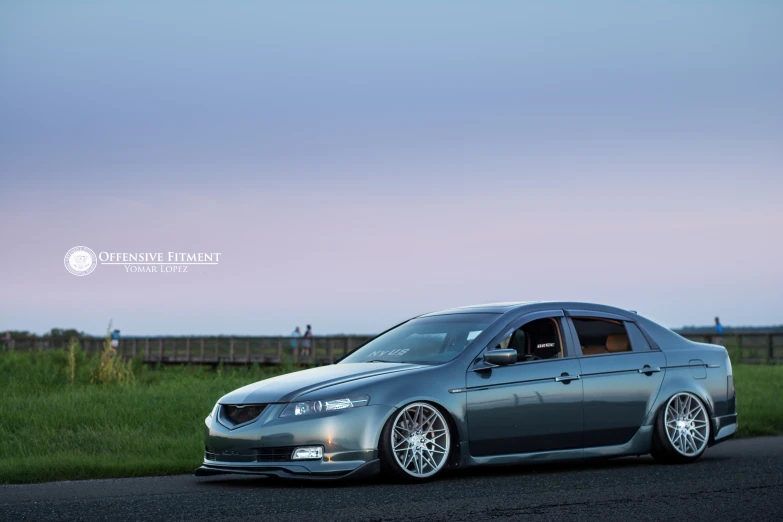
[617, 343]
[595, 349]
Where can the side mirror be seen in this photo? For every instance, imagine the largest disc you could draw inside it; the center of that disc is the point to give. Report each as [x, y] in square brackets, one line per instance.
[500, 357]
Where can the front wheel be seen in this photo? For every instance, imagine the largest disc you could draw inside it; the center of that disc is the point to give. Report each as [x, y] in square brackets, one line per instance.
[682, 430]
[415, 443]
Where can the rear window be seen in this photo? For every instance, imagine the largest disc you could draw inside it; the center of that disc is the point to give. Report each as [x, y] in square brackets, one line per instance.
[601, 336]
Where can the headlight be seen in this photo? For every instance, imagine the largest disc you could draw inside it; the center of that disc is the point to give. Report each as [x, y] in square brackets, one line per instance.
[310, 407]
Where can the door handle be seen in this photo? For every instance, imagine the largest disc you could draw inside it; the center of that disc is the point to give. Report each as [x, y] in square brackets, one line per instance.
[649, 370]
[565, 378]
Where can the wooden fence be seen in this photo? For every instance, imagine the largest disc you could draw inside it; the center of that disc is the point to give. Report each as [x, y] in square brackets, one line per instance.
[262, 350]
[754, 348]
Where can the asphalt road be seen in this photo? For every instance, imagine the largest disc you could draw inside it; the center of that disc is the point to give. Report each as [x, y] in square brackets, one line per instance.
[737, 480]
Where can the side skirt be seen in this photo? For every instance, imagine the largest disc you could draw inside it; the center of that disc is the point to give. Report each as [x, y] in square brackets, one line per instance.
[638, 445]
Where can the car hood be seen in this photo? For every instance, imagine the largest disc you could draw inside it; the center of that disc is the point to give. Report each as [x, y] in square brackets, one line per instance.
[285, 388]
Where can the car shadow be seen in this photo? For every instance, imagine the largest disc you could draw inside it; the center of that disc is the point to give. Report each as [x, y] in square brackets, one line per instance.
[229, 481]
[552, 467]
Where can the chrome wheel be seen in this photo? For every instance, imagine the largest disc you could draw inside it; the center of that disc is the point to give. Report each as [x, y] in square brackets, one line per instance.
[420, 440]
[687, 424]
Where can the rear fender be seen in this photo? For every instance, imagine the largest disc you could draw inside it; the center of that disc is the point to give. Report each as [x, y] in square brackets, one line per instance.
[679, 380]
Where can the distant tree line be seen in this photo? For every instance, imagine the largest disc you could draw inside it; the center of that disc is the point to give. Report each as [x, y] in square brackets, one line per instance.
[56, 334]
[62, 335]
[697, 330]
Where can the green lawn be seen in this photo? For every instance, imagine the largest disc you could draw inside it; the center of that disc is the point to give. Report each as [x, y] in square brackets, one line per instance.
[759, 399]
[50, 430]
[152, 426]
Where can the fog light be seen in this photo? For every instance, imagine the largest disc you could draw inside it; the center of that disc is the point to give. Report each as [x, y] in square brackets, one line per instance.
[308, 452]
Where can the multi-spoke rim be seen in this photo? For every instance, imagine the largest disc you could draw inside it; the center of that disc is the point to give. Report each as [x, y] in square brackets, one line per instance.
[420, 439]
[687, 424]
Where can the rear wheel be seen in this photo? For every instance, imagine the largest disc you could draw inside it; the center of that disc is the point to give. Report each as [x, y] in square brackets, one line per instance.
[415, 443]
[682, 430]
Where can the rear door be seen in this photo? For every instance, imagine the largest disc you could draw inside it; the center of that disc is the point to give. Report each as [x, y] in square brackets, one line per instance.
[621, 371]
[533, 405]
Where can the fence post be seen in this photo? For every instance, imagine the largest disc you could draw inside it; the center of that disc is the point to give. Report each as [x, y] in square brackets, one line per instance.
[770, 348]
[147, 349]
[739, 346]
[217, 350]
[330, 352]
[135, 348]
[279, 350]
[187, 349]
[174, 350]
[247, 350]
[160, 349]
[231, 350]
[202, 349]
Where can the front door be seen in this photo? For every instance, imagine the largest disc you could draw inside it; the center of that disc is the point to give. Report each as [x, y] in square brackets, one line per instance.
[533, 405]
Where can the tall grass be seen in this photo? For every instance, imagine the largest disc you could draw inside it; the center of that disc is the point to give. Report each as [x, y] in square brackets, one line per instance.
[57, 422]
[73, 348]
[111, 368]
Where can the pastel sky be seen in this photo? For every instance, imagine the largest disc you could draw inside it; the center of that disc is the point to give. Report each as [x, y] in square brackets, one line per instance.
[357, 163]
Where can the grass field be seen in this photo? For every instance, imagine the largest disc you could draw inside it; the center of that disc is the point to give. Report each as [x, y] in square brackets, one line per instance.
[51, 429]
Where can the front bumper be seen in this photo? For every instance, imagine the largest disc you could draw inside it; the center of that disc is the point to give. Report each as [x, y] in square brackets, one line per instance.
[349, 438]
[368, 469]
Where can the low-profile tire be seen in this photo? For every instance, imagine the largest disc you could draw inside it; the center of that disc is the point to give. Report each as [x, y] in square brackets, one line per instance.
[682, 430]
[415, 443]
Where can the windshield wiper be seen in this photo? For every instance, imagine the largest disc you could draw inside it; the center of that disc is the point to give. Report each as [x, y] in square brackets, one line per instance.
[380, 360]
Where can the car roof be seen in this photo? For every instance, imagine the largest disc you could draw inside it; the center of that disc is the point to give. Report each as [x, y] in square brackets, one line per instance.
[490, 308]
[532, 306]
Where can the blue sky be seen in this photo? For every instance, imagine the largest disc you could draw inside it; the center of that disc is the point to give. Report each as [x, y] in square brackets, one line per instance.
[359, 163]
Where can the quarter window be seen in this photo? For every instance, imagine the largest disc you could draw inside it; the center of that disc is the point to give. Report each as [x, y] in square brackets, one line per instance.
[638, 341]
[601, 336]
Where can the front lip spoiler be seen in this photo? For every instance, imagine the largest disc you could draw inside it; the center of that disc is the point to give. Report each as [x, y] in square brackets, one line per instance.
[367, 469]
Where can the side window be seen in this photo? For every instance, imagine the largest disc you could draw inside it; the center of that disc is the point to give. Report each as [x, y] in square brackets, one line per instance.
[638, 341]
[601, 336]
[539, 339]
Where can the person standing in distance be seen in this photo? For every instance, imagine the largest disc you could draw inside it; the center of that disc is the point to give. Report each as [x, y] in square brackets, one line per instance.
[295, 335]
[307, 342]
[718, 331]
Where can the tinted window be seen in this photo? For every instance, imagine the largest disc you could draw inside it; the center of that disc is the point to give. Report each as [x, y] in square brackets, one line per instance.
[638, 341]
[601, 336]
[539, 339]
[434, 339]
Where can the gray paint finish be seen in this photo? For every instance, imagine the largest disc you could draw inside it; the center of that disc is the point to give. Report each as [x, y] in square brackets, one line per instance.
[577, 406]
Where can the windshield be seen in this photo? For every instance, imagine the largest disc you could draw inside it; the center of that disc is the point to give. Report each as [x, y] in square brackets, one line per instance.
[427, 340]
